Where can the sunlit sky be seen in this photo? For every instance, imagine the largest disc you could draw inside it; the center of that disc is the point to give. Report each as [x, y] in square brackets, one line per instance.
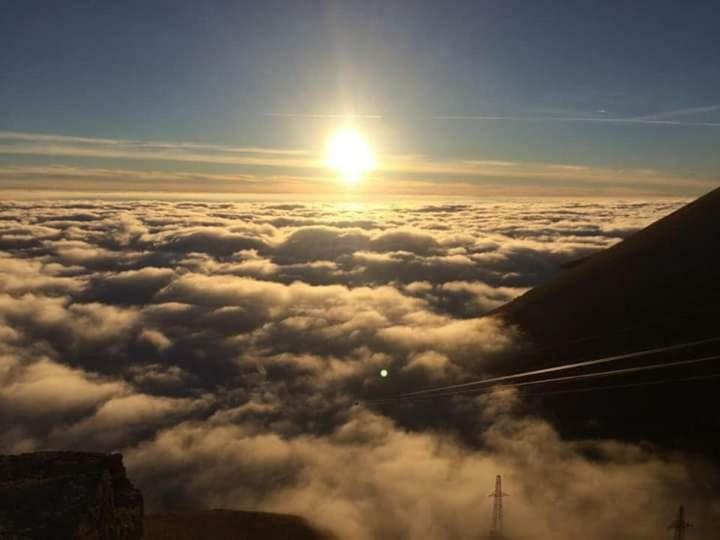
[466, 98]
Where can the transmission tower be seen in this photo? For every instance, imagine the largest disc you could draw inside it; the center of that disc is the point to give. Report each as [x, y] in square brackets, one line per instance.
[680, 525]
[497, 521]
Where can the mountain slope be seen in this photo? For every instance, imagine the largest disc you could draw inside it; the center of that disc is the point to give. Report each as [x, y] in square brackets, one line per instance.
[661, 286]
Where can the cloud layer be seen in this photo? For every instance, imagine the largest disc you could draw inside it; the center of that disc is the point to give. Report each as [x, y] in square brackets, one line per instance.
[227, 349]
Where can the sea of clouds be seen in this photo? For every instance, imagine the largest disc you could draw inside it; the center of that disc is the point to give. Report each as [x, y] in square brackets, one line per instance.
[227, 349]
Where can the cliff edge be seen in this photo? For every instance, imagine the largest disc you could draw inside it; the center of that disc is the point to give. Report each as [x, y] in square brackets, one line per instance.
[68, 496]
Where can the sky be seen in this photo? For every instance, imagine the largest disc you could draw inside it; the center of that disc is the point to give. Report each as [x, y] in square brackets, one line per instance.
[481, 98]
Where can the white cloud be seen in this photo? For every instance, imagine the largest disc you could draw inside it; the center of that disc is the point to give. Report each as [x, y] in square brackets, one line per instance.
[223, 346]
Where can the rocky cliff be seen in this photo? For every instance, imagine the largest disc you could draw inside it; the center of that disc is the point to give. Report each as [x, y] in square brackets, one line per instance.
[68, 496]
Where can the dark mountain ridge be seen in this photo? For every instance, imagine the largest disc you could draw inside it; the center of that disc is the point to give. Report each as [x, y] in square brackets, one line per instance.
[659, 287]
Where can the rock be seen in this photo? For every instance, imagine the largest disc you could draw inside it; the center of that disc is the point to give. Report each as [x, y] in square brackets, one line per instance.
[68, 496]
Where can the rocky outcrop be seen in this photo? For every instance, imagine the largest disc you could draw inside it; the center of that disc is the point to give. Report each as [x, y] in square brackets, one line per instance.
[68, 496]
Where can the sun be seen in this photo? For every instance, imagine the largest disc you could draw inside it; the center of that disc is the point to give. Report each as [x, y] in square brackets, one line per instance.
[349, 154]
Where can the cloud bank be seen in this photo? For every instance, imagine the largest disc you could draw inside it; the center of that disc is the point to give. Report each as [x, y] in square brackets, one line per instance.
[227, 349]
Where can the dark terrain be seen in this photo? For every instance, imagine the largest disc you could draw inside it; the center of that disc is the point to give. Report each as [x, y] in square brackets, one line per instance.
[227, 525]
[87, 496]
[659, 287]
[68, 495]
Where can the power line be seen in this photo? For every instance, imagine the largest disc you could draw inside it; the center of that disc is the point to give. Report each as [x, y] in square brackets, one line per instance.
[565, 367]
[630, 385]
[553, 369]
[568, 378]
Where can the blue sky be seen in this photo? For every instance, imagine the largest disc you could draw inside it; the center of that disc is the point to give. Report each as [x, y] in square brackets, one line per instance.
[621, 86]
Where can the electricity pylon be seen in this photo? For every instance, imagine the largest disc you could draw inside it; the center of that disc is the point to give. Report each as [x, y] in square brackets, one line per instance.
[680, 525]
[497, 522]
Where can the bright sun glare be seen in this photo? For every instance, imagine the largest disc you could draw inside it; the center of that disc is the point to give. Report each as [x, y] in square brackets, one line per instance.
[350, 155]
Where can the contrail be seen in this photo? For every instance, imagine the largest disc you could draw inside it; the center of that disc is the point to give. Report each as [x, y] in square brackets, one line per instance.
[311, 115]
[679, 112]
[655, 119]
[642, 121]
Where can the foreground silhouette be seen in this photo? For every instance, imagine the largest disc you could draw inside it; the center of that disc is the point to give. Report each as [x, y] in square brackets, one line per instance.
[658, 287]
[229, 525]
